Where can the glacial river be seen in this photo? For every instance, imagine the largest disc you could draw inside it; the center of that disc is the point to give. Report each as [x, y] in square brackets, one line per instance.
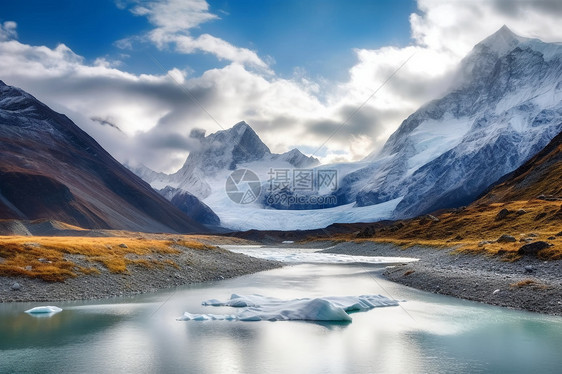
[425, 333]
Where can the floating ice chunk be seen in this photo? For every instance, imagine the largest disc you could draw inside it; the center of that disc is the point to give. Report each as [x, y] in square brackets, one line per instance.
[262, 308]
[288, 242]
[241, 301]
[207, 317]
[44, 310]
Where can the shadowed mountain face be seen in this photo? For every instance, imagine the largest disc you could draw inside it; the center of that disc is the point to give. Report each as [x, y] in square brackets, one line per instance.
[50, 168]
[541, 176]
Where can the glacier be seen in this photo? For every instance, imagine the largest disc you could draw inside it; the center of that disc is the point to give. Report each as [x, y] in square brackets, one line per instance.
[263, 308]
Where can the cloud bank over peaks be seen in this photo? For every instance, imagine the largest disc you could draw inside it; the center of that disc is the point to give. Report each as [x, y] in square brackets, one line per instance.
[153, 114]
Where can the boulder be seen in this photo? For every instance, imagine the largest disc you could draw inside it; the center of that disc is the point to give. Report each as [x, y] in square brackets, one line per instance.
[529, 269]
[502, 214]
[16, 286]
[367, 232]
[433, 218]
[506, 239]
[532, 249]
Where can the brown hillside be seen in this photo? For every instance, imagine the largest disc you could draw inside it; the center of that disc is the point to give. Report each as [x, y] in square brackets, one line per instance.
[51, 169]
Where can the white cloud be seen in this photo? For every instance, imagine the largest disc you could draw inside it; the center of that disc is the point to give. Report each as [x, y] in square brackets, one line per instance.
[174, 21]
[8, 30]
[175, 15]
[157, 112]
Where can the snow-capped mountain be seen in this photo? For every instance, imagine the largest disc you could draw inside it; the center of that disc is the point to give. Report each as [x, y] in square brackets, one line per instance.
[223, 150]
[506, 106]
[51, 169]
[216, 156]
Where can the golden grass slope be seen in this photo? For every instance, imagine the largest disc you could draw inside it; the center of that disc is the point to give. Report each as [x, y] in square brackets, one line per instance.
[50, 258]
[476, 229]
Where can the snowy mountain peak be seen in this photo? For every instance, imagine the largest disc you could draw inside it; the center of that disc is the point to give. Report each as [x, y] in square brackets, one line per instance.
[217, 155]
[298, 159]
[240, 127]
[502, 40]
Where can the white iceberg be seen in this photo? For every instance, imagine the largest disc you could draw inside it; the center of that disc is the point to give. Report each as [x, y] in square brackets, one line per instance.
[262, 308]
[44, 310]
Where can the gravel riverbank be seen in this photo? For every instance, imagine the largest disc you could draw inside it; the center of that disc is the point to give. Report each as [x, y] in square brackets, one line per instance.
[193, 265]
[528, 284]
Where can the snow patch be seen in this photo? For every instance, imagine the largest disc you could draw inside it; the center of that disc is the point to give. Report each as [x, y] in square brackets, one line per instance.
[263, 308]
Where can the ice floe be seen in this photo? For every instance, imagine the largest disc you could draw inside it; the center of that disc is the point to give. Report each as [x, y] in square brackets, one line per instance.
[263, 308]
[44, 310]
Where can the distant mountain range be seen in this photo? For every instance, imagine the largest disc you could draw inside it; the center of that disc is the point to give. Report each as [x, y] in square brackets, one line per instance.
[206, 169]
[504, 107]
[50, 169]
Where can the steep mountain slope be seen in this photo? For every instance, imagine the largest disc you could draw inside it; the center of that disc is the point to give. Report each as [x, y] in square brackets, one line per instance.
[540, 177]
[505, 108]
[521, 215]
[190, 205]
[51, 169]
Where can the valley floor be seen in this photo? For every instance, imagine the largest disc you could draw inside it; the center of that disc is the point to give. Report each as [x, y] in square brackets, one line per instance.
[527, 284]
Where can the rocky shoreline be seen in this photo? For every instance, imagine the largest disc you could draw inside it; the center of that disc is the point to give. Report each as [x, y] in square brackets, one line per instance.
[528, 284]
[193, 266]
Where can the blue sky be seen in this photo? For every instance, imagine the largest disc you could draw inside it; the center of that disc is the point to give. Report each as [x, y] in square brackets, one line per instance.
[293, 69]
[315, 35]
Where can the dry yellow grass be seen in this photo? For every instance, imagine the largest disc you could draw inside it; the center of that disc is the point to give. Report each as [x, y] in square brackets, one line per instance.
[469, 229]
[528, 283]
[47, 257]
